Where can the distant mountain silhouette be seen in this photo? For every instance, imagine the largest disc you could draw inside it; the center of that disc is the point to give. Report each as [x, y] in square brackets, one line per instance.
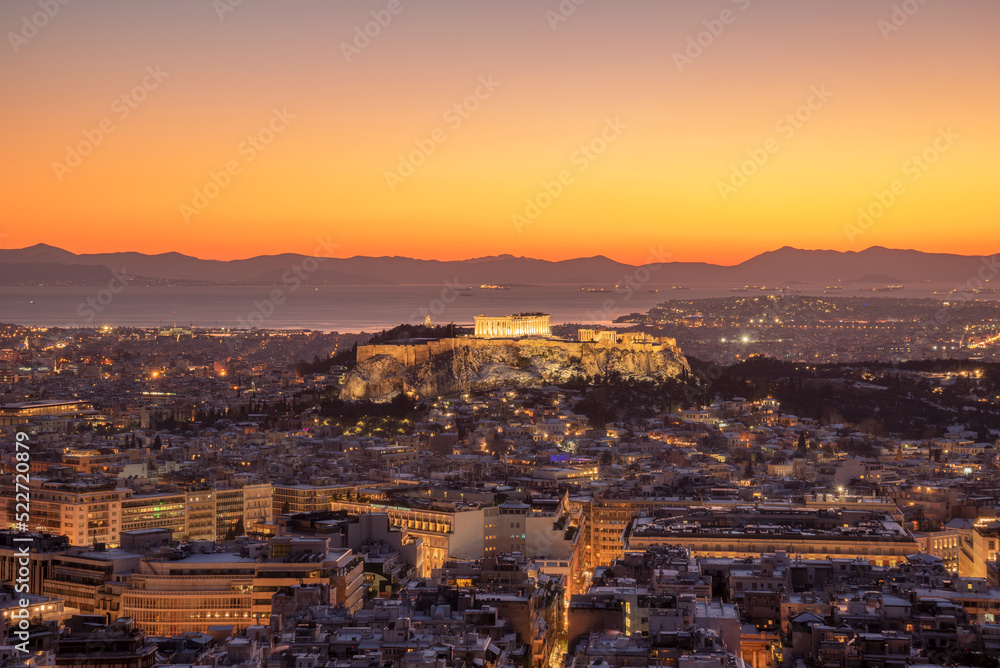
[45, 264]
[320, 276]
[53, 273]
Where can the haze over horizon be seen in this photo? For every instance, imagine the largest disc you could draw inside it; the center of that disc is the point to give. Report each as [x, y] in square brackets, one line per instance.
[129, 112]
[46, 246]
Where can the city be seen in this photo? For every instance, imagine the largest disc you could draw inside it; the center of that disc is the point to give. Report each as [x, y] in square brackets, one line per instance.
[206, 496]
[509, 334]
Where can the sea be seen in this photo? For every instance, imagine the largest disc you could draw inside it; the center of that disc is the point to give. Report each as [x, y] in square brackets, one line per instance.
[351, 308]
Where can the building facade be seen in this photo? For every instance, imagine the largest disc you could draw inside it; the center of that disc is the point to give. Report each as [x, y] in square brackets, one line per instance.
[202, 589]
[87, 511]
[155, 511]
[512, 326]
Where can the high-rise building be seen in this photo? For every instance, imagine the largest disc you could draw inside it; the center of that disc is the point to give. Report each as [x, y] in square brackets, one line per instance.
[87, 510]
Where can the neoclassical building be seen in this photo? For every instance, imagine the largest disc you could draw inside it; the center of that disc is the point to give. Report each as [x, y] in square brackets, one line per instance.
[512, 326]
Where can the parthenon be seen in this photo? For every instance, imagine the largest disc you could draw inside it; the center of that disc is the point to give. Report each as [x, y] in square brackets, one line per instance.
[512, 326]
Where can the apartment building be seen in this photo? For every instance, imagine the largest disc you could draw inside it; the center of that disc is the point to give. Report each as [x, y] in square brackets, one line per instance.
[881, 542]
[196, 590]
[307, 498]
[87, 510]
[155, 511]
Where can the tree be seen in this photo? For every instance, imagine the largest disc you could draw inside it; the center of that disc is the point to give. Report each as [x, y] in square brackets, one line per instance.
[235, 529]
[748, 471]
[158, 443]
[285, 508]
[801, 450]
[499, 447]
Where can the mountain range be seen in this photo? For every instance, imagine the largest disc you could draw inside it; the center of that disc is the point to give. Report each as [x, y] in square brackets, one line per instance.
[43, 264]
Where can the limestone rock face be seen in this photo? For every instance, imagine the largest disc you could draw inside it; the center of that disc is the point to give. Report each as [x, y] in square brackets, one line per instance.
[486, 365]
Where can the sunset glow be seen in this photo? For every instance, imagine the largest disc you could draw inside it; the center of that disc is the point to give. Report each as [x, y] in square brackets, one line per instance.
[199, 82]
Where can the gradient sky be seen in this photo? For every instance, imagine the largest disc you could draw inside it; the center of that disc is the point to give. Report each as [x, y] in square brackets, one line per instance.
[657, 184]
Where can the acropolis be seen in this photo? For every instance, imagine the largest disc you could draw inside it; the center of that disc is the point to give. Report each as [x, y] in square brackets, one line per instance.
[512, 326]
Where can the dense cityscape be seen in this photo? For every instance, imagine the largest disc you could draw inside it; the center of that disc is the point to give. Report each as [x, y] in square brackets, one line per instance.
[512, 334]
[836, 328]
[207, 497]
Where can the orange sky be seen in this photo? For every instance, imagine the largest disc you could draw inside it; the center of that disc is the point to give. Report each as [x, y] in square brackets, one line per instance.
[680, 130]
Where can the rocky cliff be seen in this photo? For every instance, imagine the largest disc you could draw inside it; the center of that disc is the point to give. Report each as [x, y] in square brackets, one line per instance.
[471, 365]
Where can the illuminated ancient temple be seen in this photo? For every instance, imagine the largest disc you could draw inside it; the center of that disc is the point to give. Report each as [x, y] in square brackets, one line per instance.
[512, 326]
